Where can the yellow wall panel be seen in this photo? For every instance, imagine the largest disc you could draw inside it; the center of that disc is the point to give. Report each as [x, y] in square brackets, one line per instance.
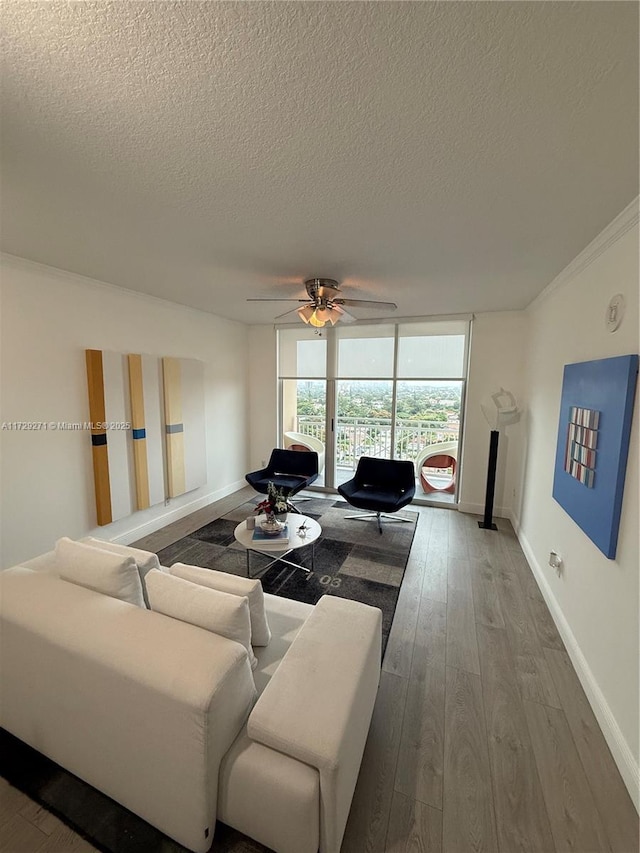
[100, 453]
[140, 462]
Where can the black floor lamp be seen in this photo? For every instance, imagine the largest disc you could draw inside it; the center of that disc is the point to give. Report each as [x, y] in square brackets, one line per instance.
[503, 413]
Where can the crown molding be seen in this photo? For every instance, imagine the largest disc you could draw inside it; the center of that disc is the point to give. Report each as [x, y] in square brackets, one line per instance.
[616, 229]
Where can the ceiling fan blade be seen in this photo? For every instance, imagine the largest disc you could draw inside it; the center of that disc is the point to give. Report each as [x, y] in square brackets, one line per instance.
[346, 317]
[275, 299]
[290, 311]
[366, 303]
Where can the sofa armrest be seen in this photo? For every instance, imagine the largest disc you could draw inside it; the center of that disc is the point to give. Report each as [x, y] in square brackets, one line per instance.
[318, 705]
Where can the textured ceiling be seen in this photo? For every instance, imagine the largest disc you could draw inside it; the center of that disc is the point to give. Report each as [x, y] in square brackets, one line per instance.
[450, 156]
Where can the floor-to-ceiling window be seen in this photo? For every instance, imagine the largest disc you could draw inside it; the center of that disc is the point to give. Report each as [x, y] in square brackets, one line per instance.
[302, 367]
[389, 390]
[363, 396]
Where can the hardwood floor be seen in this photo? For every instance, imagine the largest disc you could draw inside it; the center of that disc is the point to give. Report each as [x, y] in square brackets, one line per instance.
[27, 828]
[499, 749]
[482, 740]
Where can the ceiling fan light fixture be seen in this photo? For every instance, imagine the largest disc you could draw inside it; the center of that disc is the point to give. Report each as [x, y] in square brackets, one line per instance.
[318, 318]
[305, 313]
[334, 314]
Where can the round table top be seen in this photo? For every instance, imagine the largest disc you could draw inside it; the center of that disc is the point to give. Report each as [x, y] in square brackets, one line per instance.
[295, 520]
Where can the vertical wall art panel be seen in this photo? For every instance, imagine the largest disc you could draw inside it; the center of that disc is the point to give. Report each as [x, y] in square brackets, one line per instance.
[596, 410]
[184, 424]
[139, 432]
[147, 421]
[109, 411]
[174, 426]
[195, 458]
[99, 449]
[118, 414]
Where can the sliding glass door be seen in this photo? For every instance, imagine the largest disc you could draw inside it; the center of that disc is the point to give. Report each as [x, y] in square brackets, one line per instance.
[302, 366]
[364, 395]
[363, 423]
[430, 371]
[393, 391]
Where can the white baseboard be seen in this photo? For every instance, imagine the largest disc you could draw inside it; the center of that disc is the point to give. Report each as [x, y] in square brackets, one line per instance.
[174, 514]
[622, 754]
[478, 509]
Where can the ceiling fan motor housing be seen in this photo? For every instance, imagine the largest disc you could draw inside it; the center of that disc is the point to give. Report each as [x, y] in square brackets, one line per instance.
[322, 290]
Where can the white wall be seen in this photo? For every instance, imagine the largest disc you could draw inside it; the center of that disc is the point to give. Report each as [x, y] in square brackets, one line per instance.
[498, 345]
[48, 319]
[595, 601]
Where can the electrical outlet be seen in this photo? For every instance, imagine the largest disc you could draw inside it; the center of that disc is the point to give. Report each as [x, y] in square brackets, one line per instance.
[555, 561]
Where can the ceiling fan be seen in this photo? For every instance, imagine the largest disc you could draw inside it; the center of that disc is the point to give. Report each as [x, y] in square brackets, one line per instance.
[324, 303]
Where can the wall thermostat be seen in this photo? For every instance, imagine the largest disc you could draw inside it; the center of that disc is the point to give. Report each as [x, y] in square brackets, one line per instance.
[615, 312]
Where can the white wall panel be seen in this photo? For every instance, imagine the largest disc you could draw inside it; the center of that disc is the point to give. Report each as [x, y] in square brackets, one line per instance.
[195, 450]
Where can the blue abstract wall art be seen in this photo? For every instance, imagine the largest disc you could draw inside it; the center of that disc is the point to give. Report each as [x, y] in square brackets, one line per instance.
[594, 431]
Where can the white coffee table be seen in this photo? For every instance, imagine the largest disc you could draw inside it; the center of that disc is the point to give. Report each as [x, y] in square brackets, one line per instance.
[297, 539]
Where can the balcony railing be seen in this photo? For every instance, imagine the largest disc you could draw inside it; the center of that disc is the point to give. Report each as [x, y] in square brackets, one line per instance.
[356, 437]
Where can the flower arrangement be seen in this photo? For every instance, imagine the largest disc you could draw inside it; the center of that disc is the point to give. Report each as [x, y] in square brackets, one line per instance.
[276, 501]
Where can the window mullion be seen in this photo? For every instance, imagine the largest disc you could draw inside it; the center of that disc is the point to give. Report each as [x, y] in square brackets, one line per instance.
[394, 392]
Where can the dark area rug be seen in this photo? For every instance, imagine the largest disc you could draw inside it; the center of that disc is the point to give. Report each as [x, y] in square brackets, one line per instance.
[105, 824]
[352, 560]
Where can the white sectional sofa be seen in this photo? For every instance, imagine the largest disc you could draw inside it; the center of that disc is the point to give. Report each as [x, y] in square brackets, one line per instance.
[170, 720]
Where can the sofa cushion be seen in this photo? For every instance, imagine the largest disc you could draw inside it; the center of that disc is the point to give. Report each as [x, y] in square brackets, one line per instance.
[145, 560]
[219, 612]
[224, 582]
[283, 795]
[99, 570]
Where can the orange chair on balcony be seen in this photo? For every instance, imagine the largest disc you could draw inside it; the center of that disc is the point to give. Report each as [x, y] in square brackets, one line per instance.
[443, 455]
